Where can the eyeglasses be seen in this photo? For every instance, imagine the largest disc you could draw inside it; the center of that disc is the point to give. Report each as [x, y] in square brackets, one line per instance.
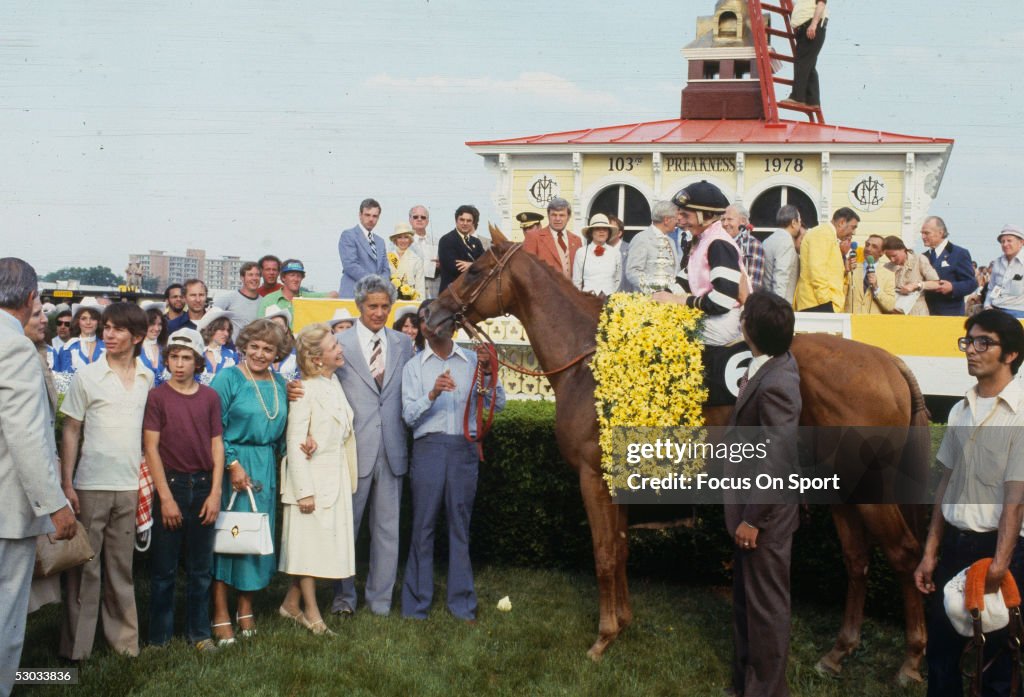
[64, 323]
[418, 217]
[981, 343]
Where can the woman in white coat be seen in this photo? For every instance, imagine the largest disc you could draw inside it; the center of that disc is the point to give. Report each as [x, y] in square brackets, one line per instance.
[316, 490]
[406, 265]
[597, 267]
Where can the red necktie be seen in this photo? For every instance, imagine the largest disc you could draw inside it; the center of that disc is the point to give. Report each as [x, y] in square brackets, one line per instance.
[561, 242]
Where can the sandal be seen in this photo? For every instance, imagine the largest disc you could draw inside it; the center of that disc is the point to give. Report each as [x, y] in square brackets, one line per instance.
[318, 628]
[247, 633]
[223, 642]
[297, 618]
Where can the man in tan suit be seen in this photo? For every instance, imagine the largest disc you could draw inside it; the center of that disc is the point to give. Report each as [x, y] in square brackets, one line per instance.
[872, 288]
[554, 244]
[30, 493]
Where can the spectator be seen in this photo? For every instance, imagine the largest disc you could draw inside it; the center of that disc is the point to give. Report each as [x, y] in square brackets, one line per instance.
[459, 248]
[152, 353]
[913, 275]
[287, 366]
[619, 242]
[184, 444]
[108, 397]
[425, 246]
[781, 258]
[597, 267]
[174, 299]
[215, 330]
[767, 410]
[529, 221]
[254, 411]
[808, 19]
[650, 245]
[372, 380]
[1006, 285]
[30, 493]
[362, 252]
[404, 264]
[976, 300]
[408, 322]
[341, 320]
[873, 286]
[270, 269]
[292, 273]
[822, 267]
[736, 222]
[244, 303]
[554, 244]
[954, 266]
[317, 539]
[978, 510]
[84, 348]
[195, 302]
[436, 386]
[62, 323]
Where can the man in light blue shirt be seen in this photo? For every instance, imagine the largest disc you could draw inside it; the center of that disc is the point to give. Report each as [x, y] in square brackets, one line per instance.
[435, 386]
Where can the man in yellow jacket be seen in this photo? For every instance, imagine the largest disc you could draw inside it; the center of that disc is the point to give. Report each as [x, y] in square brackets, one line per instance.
[871, 293]
[820, 287]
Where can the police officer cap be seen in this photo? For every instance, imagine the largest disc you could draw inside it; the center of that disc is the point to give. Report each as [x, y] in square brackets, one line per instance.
[701, 196]
[528, 219]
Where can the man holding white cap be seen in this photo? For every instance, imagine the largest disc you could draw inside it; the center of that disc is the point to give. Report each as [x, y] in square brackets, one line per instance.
[1006, 288]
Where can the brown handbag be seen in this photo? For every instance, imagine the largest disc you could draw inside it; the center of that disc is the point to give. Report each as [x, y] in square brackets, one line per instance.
[54, 556]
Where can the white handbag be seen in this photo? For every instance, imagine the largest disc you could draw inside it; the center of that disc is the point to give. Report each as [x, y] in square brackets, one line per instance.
[242, 532]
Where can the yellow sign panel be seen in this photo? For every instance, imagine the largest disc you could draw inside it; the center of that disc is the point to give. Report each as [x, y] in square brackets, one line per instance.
[63, 294]
[313, 310]
[909, 336]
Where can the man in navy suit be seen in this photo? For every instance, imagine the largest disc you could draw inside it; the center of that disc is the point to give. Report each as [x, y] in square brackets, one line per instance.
[953, 264]
[362, 252]
[458, 249]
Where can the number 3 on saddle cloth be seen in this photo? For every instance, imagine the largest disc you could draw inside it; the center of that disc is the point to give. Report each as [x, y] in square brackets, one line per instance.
[723, 368]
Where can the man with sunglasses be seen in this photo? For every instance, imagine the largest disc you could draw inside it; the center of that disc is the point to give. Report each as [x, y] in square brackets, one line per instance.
[979, 503]
[425, 246]
[63, 326]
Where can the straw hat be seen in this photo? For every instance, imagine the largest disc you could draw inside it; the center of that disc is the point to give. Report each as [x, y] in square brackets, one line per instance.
[211, 316]
[341, 315]
[400, 230]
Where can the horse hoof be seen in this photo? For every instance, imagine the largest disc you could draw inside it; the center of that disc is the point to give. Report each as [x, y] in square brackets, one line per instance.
[595, 655]
[826, 668]
[909, 676]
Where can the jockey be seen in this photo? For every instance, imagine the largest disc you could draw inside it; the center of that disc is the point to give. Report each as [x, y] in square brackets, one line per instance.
[712, 277]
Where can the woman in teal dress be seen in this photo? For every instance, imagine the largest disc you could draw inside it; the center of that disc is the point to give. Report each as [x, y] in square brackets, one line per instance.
[254, 409]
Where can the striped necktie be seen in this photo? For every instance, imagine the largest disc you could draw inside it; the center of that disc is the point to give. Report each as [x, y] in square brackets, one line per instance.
[373, 247]
[376, 364]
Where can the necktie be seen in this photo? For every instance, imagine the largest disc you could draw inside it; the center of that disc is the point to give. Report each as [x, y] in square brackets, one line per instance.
[373, 247]
[743, 386]
[376, 364]
[932, 258]
[866, 284]
[561, 242]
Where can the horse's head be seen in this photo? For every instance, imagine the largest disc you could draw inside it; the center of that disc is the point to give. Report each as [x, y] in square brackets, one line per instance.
[483, 291]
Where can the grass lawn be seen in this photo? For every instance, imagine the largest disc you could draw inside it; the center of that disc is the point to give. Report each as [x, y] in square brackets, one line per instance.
[679, 644]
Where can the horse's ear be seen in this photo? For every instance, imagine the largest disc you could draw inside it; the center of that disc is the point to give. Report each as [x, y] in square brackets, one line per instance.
[497, 236]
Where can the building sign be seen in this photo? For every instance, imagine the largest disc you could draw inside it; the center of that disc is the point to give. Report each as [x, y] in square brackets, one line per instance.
[867, 193]
[541, 190]
[686, 163]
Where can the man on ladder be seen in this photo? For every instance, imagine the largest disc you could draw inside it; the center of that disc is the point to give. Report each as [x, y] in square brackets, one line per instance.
[808, 20]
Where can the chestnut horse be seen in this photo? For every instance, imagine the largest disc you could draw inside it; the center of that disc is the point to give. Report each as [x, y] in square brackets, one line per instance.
[842, 383]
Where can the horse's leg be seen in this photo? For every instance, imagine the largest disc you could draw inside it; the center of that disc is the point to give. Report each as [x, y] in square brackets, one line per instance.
[623, 608]
[602, 515]
[854, 542]
[887, 525]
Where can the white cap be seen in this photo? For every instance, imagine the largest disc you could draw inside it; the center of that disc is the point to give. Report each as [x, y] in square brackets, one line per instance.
[189, 338]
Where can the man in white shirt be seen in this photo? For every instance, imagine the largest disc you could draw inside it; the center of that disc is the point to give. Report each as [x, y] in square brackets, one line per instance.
[107, 397]
[244, 303]
[1006, 286]
[979, 503]
[425, 246]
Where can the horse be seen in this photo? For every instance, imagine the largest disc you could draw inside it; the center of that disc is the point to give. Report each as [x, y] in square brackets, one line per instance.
[870, 388]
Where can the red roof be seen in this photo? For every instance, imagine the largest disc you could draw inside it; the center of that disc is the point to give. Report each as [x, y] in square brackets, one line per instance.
[687, 131]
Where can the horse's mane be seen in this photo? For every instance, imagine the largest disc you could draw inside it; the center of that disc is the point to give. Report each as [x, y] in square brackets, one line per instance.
[585, 303]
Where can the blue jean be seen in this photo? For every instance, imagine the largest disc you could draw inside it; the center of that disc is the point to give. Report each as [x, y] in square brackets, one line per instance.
[190, 491]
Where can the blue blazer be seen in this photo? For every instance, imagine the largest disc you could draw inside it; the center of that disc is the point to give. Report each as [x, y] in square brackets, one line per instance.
[377, 413]
[357, 260]
[953, 265]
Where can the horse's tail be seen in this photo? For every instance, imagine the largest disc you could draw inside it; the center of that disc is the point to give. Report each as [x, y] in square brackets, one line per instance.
[915, 463]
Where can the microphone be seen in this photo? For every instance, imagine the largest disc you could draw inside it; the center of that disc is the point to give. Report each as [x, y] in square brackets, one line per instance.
[869, 264]
[852, 254]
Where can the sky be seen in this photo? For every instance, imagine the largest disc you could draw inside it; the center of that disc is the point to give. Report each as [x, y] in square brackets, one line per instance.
[251, 128]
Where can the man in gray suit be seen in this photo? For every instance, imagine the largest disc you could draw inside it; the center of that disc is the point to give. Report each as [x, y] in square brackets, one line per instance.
[767, 410]
[362, 252]
[30, 493]
[375, 356]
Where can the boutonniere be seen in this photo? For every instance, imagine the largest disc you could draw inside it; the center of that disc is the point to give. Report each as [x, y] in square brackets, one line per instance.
[599, 250]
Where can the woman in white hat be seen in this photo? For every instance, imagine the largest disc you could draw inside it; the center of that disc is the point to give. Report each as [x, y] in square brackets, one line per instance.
[215, 328]
[405, 265]
[597, 267]
[85, 346]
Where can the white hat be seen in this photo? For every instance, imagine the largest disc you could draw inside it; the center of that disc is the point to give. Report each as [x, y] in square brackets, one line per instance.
[994, 614]
[341, 315]
[272, 311]
[48, 308]
[1014, 230]
[87, 301]
[152, 305]
[212, 315]
[189, 338]
[406, 310]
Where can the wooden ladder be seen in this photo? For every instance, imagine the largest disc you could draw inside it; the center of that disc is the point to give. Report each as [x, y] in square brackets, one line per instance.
[762, 34]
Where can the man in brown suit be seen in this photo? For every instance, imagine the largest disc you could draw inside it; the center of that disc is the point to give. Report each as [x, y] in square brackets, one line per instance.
[554, 244]
[767, 410]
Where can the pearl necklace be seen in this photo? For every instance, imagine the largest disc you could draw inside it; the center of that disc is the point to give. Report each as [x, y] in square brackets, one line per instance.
[259, 395]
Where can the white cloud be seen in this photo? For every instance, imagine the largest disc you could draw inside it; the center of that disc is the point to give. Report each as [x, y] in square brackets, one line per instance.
[539, 84]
